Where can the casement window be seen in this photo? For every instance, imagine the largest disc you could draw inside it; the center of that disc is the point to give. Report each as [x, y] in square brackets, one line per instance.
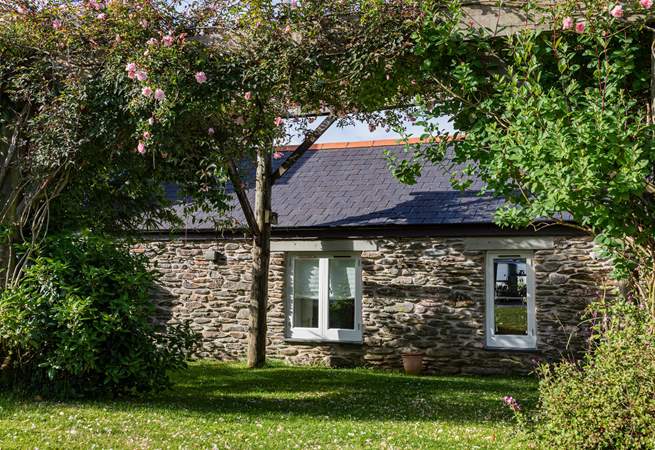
[510, 305]
[324, 298]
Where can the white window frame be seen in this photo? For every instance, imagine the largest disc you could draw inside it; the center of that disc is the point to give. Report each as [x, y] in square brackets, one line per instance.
[323, 333]
[528, 341]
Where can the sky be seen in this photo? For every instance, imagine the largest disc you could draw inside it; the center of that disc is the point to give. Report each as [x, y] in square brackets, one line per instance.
[360, 132]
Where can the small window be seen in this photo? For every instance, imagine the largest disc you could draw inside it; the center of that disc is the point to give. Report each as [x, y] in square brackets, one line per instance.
[510, 301]
[324, 301]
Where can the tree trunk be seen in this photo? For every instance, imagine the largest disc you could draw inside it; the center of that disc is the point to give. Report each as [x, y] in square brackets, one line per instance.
[261, 250]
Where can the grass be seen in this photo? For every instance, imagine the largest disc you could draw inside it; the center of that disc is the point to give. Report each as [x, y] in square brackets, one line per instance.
[219, 405]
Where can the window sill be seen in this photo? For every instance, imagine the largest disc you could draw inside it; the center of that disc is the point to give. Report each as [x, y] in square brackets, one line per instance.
[512, 349]
[322, 341]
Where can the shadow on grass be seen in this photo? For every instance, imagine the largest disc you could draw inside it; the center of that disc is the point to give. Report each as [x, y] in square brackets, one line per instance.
[353, 394]
[214, 390]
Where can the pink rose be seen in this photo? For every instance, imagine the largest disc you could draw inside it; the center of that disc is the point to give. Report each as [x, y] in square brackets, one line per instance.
[131, 67]
[21, 10]
[277, 155]
[580, 27]
[142, 75]
[101, 16]
[210, 131]
[159, 95]
[141, 148]
[617, 11]
[567, 23]
[168, 40]
[152, 42]
[646, 3]
[146, 91]
[146, 135]
[247, 95]
[201, 77]
[278, 121]
[131, 75]
[56, 24]
[293, 3]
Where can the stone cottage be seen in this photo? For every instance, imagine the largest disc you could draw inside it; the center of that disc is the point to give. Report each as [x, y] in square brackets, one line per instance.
[364, 268]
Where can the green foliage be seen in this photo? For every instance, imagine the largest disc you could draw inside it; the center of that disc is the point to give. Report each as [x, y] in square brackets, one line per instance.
[556, 122]
[79, 322]
[607, 400]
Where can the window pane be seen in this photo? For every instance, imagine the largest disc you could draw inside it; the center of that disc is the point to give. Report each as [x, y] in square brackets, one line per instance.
[305, 293]
[510, 296]
[343, 276]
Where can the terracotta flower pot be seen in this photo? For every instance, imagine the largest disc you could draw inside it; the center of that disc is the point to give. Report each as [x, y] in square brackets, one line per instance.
[413, 363]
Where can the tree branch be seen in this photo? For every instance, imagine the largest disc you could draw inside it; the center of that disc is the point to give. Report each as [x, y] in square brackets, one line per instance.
[246, 207]
[302, 148]
[13, 145]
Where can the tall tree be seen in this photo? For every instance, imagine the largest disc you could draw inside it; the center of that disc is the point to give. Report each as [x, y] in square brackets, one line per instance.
[105, 102]
[558, 118]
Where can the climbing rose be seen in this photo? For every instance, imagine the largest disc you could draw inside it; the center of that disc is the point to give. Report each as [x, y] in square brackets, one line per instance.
[146, 135]
[146, 91]
[131, 75]
[278, 121]
[131, 67]
[167, 40]
[159, 95]
[142, 75]
[617, 11]
[646, 3]
[247, 95]
[277, 155]
[56, 24]
[210, 131]
[141, 148]
[567, 24]
[580, 27]
[201, 77]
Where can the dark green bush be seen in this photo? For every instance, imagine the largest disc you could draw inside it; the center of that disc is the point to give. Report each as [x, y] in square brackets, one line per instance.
[608, 399]
[80, 322]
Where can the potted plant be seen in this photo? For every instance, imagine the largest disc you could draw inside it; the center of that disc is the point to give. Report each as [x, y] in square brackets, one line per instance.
[413, 361]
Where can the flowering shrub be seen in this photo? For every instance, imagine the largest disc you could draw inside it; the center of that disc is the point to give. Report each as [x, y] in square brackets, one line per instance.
[79, 322]
[608, 399]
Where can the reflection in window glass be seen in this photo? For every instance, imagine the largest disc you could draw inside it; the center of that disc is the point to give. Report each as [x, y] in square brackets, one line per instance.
[510, 296]
[342, 287]
[305, 293]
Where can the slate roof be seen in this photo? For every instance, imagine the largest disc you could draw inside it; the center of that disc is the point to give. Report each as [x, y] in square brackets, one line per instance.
[353, 187]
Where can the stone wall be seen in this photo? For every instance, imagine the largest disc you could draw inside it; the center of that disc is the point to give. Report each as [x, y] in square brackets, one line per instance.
[427, 294]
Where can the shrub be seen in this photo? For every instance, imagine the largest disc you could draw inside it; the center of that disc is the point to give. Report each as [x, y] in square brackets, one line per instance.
[80, 322]
[608, 399]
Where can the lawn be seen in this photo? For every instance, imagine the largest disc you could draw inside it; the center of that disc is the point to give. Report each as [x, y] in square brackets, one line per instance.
[218, 405]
